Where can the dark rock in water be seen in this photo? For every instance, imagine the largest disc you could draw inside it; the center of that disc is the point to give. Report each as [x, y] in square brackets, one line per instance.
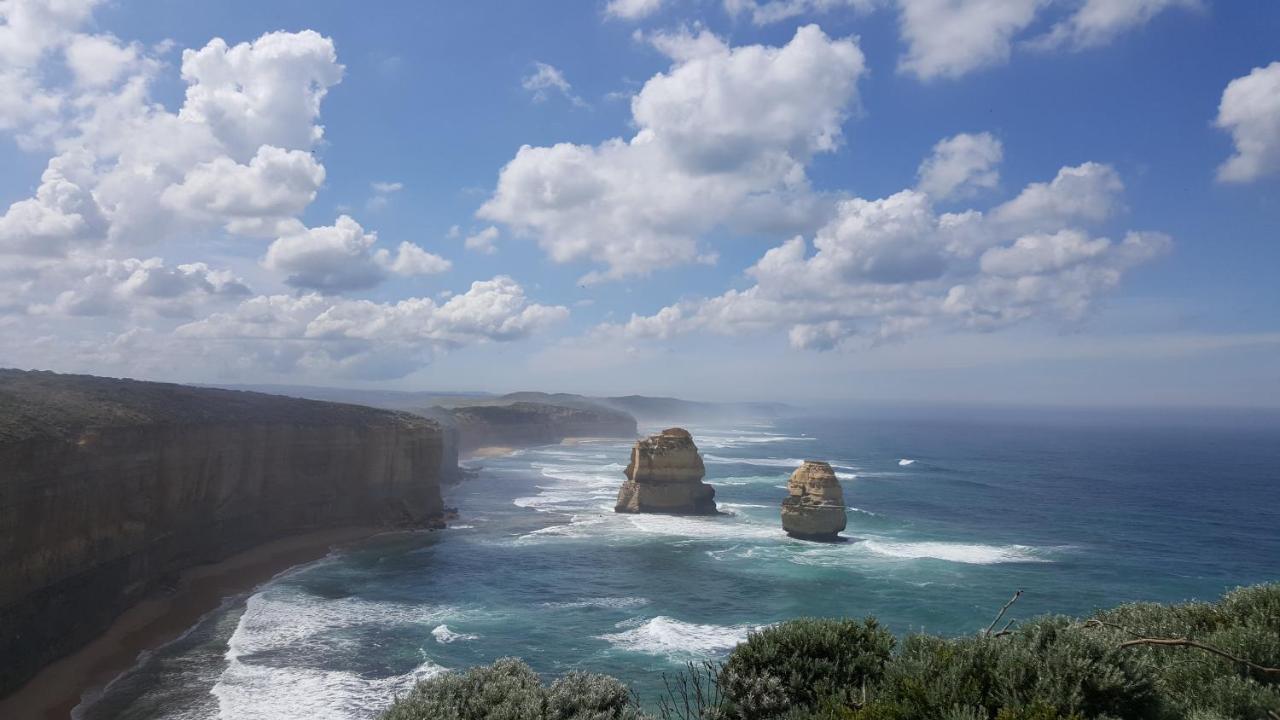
[109, 488]
[814, 509]
[665, 476]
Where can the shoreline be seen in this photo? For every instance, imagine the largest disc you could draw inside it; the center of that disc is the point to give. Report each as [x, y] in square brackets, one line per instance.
[55, 691]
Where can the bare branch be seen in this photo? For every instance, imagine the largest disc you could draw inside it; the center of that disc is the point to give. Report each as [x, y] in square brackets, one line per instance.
[1003, 610]
[1184, 642]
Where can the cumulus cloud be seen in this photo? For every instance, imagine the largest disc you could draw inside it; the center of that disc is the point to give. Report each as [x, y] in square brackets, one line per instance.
[960, 166]
[341, 257]
[949, 38]
[546, 80]
[133, 286]
[722, 128]
[632, 9]
[274, 187]
[482, 241]
[891, 267]
[1250, 111]
[1097, 22]
[372, 339]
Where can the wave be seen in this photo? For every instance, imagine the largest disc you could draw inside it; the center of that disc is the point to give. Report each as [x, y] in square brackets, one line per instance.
[277, 621]
[676, 639]
[444, 635]
[609, 603]
[906, 461]
[262, 692]
[968, 553]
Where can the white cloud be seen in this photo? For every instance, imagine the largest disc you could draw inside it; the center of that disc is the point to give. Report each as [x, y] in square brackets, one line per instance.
[100, 60]
[960, 166]
[267, 92]
[111, 287]
[1250, 111]
[1097, 22]
[275, 186]
[382, 192]
[949, 38]
[886, 268]
[1089, 192]
[546, 79]
[411, 260]
[482, 241]
[722, 128]
[341, 257]
[772, 11]
[369, 339]
[632, 9]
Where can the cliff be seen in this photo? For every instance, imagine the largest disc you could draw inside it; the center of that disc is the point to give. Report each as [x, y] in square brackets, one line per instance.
[523, 424]
[108, 488]
[665, 476]
[814, 506]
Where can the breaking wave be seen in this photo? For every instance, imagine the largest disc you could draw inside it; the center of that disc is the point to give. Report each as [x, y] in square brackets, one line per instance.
[675, 639]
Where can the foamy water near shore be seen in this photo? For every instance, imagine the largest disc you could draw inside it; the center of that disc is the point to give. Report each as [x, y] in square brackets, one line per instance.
[539, 566]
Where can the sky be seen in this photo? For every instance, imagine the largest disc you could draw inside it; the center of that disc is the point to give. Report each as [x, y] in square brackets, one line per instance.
[1044, 202]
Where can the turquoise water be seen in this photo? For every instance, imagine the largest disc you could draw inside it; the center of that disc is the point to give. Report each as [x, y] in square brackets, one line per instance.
[948, 515]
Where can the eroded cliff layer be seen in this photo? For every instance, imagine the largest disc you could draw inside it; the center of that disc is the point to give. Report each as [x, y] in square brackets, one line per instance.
[108, 488]
[814, 506]
[665, 476]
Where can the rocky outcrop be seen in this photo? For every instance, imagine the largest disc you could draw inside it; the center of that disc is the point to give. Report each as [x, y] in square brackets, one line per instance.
[814, 507]
[525, 424]
[109, 488]
[665, 476]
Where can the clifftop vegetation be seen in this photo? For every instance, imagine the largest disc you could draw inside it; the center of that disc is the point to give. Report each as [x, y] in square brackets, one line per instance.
[45, 404]
[1142, 661]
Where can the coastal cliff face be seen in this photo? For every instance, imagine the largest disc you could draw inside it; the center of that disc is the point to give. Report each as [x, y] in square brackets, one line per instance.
[523, 424]
[109, 488]
[814, 506]
[665, 476]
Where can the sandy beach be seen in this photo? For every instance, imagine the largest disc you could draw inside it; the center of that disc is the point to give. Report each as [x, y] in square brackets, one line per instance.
[55, 691]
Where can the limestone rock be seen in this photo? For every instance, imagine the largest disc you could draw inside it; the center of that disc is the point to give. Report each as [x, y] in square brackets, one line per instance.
[814, 507]
[665, 476]
[109, 488]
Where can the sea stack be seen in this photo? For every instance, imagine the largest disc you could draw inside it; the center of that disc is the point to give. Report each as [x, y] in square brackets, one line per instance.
[665, 476]
[814, 507]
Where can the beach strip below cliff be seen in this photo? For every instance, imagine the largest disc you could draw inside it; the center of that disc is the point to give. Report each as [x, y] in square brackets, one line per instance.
[59, 687]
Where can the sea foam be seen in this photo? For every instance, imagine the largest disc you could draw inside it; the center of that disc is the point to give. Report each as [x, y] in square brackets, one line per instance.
[676, 639]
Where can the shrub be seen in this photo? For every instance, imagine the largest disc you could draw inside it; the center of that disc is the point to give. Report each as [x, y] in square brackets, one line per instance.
[1050, 668]
[509, 690]
[799, 663]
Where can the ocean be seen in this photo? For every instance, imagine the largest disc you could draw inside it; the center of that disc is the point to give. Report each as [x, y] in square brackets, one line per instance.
[949, 514]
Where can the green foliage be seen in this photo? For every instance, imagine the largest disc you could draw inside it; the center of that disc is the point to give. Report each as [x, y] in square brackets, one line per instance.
[799, 663]
[1050, 668]
[509, 690]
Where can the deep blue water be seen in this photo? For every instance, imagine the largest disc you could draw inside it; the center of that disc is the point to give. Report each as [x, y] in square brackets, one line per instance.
[949, 514]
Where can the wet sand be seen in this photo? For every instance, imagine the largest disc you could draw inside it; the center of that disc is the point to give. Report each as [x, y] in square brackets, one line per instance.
[58, 688]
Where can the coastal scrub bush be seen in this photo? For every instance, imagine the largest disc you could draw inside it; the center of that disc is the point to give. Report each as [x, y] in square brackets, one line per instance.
[1217, 661]
[802, 662]
[510, 690]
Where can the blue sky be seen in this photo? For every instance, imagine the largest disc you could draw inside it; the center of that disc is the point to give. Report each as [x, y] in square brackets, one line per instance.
[1146, 276]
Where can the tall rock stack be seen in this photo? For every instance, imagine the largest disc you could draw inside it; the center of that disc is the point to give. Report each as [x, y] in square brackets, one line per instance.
[814, 507]
[665, 476]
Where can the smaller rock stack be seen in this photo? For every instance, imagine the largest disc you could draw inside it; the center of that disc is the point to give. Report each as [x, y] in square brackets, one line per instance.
[814, 509]
[665, 476]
